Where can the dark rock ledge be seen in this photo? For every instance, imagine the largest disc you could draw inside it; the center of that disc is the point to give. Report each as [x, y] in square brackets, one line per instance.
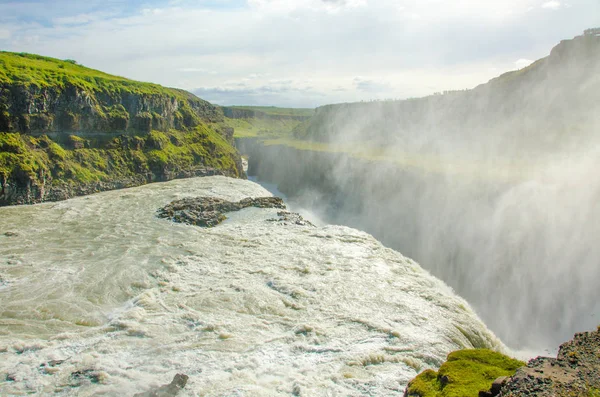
[209, 211]
[574, 372]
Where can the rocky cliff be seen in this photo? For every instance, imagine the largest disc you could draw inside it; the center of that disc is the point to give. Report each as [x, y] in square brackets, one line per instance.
[68, 130]
[574, 372]
[554, 101]
[40, 95]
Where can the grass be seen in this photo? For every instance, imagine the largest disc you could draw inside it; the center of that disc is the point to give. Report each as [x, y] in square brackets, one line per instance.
[276, 111]
[35, 70]
[160, 146]
[269, 122]
[267, 128]
[467, 372]
[27, 159]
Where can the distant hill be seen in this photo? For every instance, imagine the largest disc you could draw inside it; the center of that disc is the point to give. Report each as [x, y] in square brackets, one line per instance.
[300, 113]
[264, 121]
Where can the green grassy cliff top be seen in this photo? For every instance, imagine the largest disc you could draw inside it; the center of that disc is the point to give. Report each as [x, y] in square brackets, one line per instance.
[276, 111]
[29, 69]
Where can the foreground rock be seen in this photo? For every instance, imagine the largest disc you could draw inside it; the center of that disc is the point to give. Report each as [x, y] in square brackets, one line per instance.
[574, 372]
[209, 211]
[464, 373]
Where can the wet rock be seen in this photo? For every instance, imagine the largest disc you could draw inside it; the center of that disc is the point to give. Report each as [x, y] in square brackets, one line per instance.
[209, 211]
[78, 378]
[178, 383]
[444, 380]
[290, 218]
[497, 385]
[574, 372]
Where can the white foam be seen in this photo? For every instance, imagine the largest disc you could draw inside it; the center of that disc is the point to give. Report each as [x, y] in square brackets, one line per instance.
[250, 307]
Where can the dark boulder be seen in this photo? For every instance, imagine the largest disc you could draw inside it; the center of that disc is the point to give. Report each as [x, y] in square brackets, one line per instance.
[208, 211]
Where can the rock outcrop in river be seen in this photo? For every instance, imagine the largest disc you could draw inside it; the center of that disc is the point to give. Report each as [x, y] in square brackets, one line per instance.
[209, 211]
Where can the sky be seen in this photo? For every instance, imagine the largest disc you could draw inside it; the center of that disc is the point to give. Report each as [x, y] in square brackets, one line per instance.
[297, 53]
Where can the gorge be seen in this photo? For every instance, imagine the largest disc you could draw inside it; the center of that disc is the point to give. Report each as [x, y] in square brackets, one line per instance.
[488, 188]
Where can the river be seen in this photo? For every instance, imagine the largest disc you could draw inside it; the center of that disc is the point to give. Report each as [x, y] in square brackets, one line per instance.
[98, 296]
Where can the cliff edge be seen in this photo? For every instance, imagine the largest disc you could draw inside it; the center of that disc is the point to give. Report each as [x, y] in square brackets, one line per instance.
[68, 130]
[554, 102]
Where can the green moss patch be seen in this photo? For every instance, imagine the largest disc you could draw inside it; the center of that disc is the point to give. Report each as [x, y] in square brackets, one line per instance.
[464, 374]
[27, 160]
[261, 127]
[30, 69]
[276, 111]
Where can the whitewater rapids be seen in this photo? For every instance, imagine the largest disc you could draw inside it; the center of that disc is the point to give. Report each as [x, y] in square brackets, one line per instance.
[98, 296]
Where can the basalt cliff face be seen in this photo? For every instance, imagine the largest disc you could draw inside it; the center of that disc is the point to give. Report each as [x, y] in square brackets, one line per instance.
[40, 95]
[67, 130]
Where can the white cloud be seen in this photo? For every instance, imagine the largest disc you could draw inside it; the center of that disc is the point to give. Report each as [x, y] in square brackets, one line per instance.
[552, 5]
[192, 70]
[294, 5]
[272, 48]
[75, 20]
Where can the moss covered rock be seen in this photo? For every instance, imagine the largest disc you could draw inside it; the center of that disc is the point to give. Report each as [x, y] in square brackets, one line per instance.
[464, 374]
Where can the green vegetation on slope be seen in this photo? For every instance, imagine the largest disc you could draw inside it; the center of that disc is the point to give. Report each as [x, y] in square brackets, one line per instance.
[40, 71]
[41, 94]
[264, 122]
[275, 111]
[267, 128]
[27, 160]
[464, 374]
[69, 127]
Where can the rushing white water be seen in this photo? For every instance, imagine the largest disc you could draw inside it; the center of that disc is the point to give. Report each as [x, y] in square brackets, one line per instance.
[250, 307]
